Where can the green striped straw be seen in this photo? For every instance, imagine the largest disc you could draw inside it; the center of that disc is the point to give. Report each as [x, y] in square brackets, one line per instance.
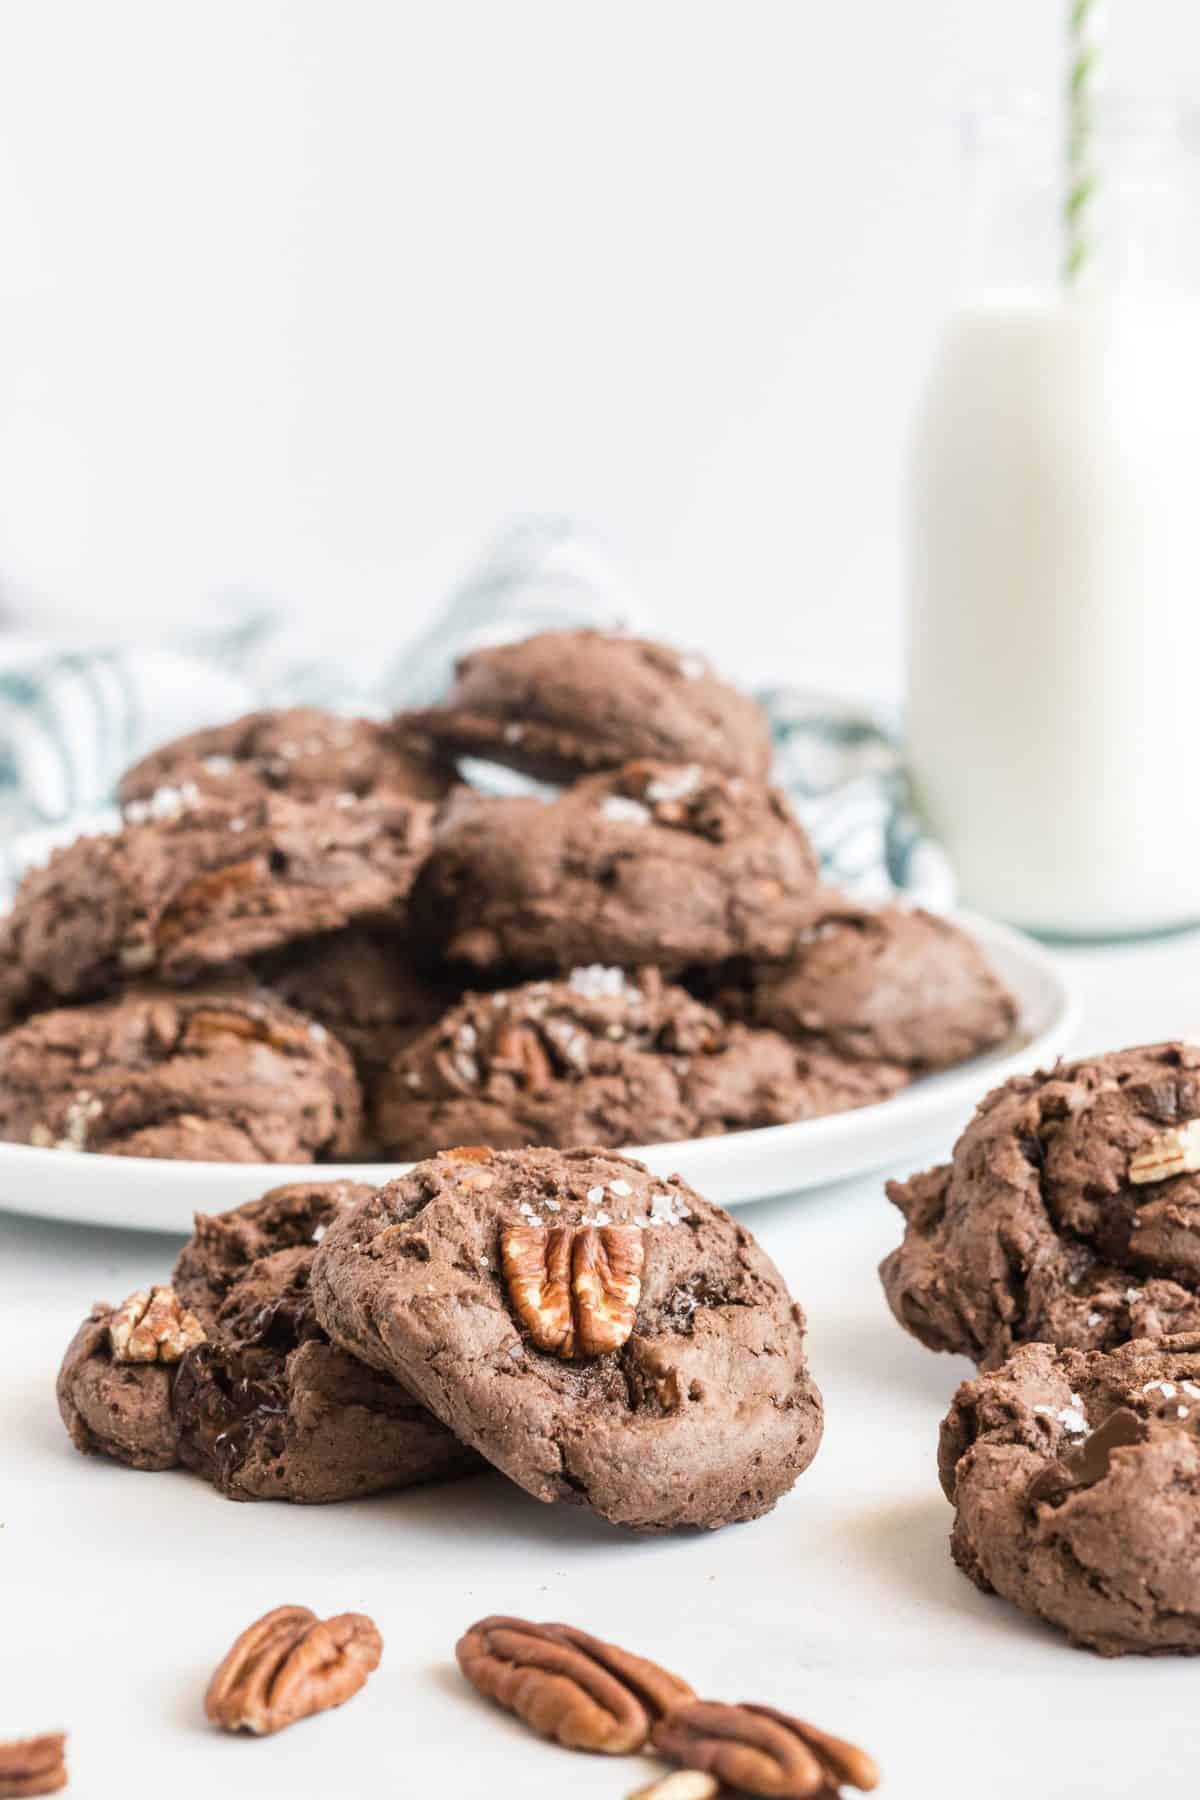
[1085, 26]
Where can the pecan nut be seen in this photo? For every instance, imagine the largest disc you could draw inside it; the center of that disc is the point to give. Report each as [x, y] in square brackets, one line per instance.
[153, 1327]
[1174, 1152]
[213, 894]
[761, 1751]
[517, 1050]
[475, 1176]
[567, 1685]
[576, 1291]
[34, 1765]
[288, 1665]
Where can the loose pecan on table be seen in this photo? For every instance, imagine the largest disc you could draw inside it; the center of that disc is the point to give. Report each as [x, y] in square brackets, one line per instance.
[761, 1751]
[153, 1326]
[34, 1765]
[575, 1291]
[583, 1693]
[288, 1665]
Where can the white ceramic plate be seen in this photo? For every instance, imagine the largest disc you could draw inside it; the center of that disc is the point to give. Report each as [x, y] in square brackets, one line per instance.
[152, 1195]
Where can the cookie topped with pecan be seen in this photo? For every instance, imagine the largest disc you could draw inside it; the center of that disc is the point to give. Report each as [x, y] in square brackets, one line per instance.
[296, 750]
[604, 1058]
[1069, 1213]
[602, 1336]
[565, 703]
[204, 1074]
[234, 1378]
[652, 863]
[208, 882]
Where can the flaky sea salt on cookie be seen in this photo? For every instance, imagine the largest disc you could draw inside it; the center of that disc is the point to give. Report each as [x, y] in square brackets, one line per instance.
[602, 1336]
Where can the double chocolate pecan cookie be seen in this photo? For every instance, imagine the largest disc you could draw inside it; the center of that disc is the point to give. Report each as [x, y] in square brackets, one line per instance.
[211, 883]
[565, 703]
[364, 985]
[605, 1058]
[650, 864]
[211, 1075]
[228, 1372]
[1069, 1214]
[1075, 1478]
[300, 751]
[603, 1337]
[893, 985]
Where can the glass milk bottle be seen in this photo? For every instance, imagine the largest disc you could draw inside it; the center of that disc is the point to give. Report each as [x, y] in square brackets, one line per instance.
[1055, 543]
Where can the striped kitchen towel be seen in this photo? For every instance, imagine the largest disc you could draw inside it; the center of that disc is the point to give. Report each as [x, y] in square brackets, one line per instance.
[72, 718]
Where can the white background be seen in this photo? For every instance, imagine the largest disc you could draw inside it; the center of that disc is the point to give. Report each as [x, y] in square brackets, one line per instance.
[303, 298]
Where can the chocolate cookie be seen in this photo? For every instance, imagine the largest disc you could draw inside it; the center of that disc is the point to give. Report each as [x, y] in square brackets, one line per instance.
[651, 864]
[211, 884]
[210, 1075]
[254, 1397]
[365, 985]
[892, 985]
[300, 751]
[1076, 1482]
[604, 1337]
[607, 1059]
[565, 703]
[1069, 1214]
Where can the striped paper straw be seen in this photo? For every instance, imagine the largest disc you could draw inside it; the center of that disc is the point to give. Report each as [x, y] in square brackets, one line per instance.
[1085, 25]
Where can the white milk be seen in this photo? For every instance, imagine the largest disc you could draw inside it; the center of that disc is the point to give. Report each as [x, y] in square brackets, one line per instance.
[1055, 632]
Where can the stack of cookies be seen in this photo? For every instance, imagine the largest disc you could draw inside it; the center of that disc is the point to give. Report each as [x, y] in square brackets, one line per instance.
[600, 1336]
[311, 941]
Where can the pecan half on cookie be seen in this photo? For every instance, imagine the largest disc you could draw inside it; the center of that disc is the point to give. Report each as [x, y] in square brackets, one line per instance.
[686, 1399]
[567, 1685]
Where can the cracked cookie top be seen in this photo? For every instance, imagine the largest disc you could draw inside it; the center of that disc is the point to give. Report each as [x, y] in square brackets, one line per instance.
[265, 1408]
[602, 1336]
[1075, 1476]
[566, 703]
[296, 750]
[209, 1075]
[1069, 1213]
[207, 882]
[652, 863]
[605, 1058]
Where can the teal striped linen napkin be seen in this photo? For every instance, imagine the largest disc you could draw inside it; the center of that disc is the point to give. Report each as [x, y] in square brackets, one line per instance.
[73, 717]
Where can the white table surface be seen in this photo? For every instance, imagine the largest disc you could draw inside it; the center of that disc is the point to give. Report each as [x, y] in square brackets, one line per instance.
[120, 1591]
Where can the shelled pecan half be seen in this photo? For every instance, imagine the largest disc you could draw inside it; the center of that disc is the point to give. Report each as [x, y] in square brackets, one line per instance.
[576, 1291]
[33, 1765]
[567, 1685]
[153, 1326]
[761, 1751]
[288, 1665]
